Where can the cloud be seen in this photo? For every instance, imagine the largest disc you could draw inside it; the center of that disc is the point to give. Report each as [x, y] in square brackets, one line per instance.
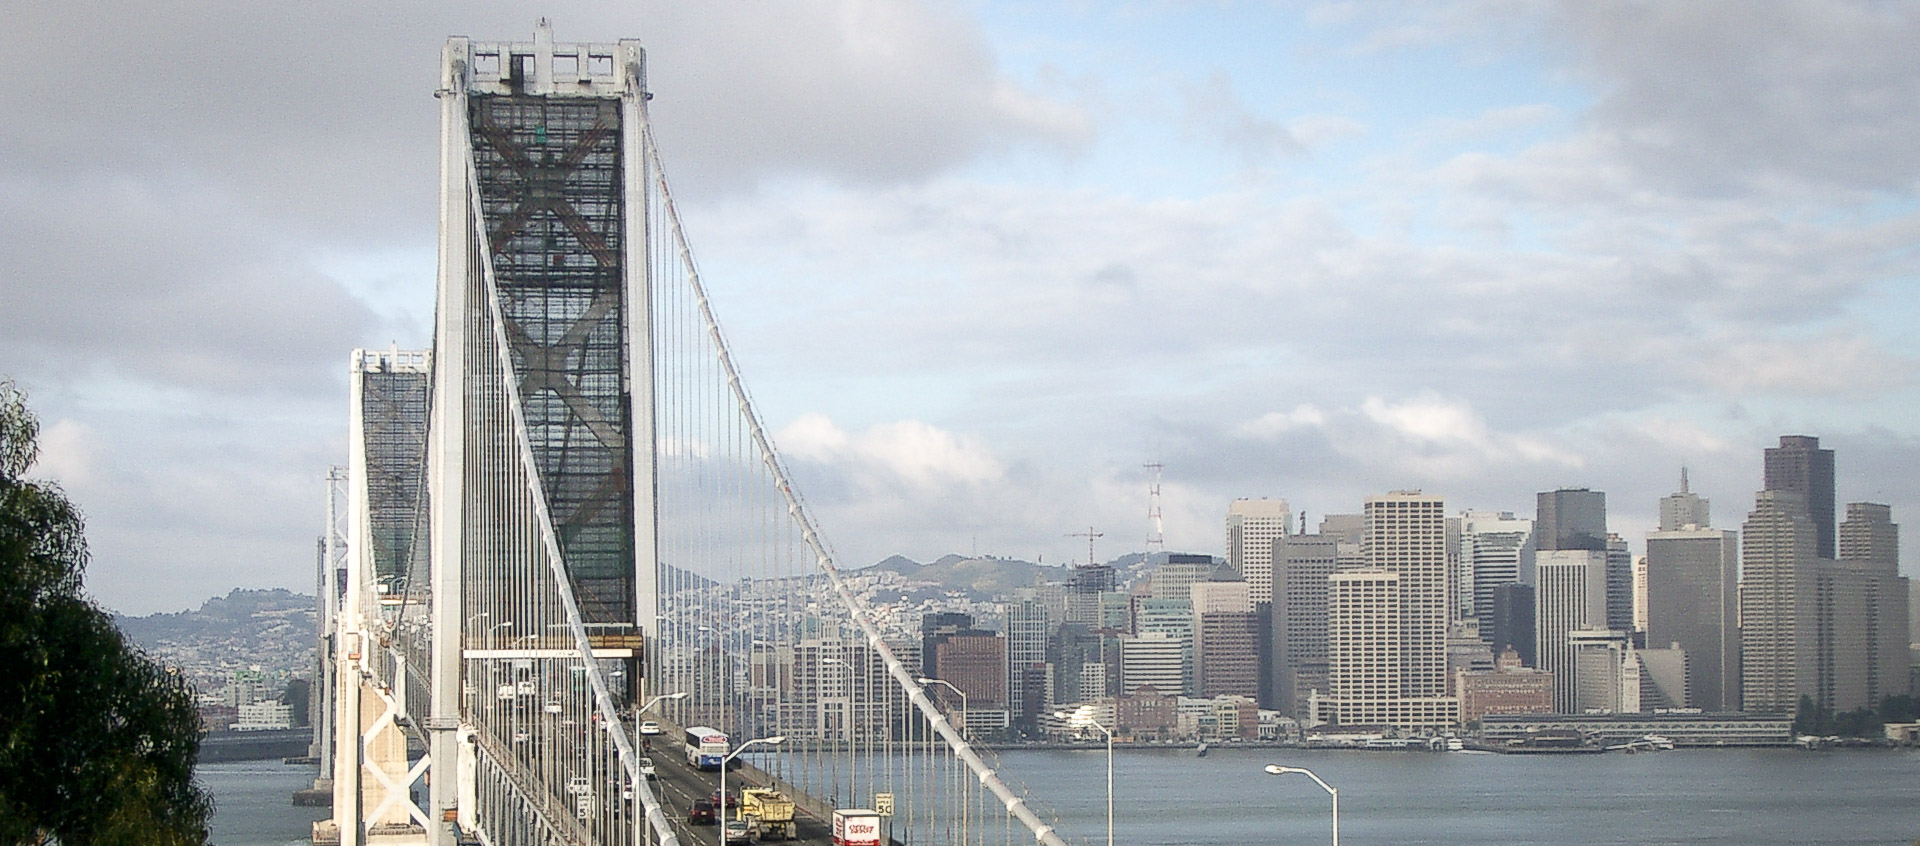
[69, 451]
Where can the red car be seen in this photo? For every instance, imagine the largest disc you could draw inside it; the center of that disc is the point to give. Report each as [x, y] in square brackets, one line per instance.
[733, 799]
[701, 813]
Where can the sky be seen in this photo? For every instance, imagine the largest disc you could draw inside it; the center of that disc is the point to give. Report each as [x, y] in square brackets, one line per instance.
[981, 262]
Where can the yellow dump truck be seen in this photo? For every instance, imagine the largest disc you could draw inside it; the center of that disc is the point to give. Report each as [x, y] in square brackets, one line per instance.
[773, 809]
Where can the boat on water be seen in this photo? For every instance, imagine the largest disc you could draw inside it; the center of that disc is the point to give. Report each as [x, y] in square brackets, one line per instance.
[1201, 750]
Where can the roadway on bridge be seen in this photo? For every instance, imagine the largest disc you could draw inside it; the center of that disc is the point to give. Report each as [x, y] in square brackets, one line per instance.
[679, 785]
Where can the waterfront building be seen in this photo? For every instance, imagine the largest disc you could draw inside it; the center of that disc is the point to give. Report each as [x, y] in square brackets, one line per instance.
[1509, 688]
[1467, 651]
[1801, 466]
[1495, 549]
[1684, 729]
[1606, 672]
[1252, 527]
[1148, 715]
[1692, 601]
[1571, 597]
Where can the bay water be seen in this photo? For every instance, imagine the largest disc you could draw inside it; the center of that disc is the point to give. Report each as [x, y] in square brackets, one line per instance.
[1169, 797]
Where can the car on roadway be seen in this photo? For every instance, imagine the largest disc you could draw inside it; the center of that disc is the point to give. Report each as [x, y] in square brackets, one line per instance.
[650, 727]
[646, 769]
[737, 831]
[733, 799]
[701, 813]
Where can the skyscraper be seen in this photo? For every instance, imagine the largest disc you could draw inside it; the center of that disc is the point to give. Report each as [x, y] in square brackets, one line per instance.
[1498, 550]
[1407, 534]
[1778, 645]
[1619, 584]
[1571, 597]
[1252, 527]
[1302, 564]
[1873, 663]
[1683, 509]
[1691, 600]
[1027, 634]
[1571, 518]
[1513, 626]
[1801, 466]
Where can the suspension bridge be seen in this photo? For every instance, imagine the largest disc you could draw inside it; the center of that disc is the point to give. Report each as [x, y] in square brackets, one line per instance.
[564, 543]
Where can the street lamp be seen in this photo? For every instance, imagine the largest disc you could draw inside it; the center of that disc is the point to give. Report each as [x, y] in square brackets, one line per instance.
[1276, 769]
[657, 699]
[722, 809]
[963, 699]
[1103, 730]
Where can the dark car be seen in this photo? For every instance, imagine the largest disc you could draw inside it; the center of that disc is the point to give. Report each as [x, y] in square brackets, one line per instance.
[733, 799]
[701, 813]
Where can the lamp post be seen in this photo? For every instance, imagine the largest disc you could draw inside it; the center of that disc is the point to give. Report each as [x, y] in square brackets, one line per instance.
[961, 693]
[1276, 769]
[722, 804]
[1109, 734]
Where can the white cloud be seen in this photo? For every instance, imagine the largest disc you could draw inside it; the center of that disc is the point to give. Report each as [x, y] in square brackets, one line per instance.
[69, 451]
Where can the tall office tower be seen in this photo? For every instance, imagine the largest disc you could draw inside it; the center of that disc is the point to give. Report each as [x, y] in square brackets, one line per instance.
[974, 661]
[1365, 658]
[1252, 527]
[1171, 619]
[1513, 623]
[1227, 650]
[1302, 564]
[1800, 465]
[1152, 659]
[1079, 659]
[1692, 600]
[1683, 509]
[1407, 534]
[1027, 631]
[1869, 544]
[1571, 597]
[1778, 645]
[1498, 550]
[1226, 656]
[1571, 518]
[1640, 593]
[1619, 584]
[1171, 580]
[937, 627]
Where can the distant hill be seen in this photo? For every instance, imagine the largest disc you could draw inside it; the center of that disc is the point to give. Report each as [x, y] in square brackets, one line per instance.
[273, 630]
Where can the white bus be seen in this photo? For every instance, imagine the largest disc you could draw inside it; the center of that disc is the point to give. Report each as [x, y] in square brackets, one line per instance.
[706, 747]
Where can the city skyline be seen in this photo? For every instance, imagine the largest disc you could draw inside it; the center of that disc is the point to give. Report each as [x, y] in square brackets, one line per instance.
[981, 263]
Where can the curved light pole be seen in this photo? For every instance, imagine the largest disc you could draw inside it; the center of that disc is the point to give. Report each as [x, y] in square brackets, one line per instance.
[1276, 769]
[657, 699]
[962, 694]
[721, 809]
[1103, 730]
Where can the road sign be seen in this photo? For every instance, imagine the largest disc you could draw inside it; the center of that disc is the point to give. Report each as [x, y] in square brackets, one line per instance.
[883, 804]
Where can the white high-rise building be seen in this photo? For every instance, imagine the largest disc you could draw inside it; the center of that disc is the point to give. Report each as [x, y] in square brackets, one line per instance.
[1252, 527]
[1496, 549]
[1152, 659]
[1571, 596]
[1364, 659]
[1407, 534]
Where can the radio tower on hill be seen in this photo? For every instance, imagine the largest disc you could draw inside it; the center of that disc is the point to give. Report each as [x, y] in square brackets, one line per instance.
[1156, 535]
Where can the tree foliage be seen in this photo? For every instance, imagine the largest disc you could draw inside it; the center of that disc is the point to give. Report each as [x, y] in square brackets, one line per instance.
[97, 742]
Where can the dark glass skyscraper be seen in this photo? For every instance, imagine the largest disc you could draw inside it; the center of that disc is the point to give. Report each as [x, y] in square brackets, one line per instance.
[1801, 466]
[1571, 518]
